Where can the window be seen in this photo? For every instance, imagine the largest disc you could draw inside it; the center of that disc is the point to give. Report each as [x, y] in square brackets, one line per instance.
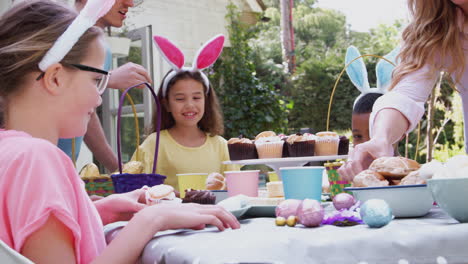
[140, 53]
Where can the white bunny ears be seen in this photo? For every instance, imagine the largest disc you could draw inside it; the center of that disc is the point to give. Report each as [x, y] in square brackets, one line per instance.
[357, 72]
[205, 57]
[93, 10]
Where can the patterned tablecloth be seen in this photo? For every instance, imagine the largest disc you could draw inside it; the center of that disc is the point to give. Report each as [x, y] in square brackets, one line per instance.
[435, 238]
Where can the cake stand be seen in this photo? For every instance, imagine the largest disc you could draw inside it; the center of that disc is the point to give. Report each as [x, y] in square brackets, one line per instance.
[278, 163]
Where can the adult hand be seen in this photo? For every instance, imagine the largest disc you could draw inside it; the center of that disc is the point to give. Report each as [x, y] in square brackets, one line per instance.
[194, 216]
[120, 207]
[362, 156]
[128, 75]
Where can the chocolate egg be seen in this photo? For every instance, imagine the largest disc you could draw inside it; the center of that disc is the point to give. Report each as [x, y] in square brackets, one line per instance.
[376, 213]
[343, 201]
[291, 221]
[280, 221]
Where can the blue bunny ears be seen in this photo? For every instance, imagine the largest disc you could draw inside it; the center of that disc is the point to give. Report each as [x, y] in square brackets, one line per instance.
[357, 72]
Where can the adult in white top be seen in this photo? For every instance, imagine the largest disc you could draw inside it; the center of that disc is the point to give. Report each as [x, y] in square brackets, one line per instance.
[436, 40]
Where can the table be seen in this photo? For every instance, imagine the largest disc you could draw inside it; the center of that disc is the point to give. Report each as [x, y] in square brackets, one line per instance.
[435, 238]
[277, 163]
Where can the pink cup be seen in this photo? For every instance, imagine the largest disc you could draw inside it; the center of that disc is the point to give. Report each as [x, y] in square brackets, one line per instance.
[242, 182]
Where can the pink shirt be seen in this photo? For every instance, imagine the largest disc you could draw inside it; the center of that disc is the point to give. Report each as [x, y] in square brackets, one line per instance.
[36, 180]
[411, 93]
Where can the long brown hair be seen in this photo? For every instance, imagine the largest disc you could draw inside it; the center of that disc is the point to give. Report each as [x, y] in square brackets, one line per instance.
[432, 36]
[27, 31]
[212, 120]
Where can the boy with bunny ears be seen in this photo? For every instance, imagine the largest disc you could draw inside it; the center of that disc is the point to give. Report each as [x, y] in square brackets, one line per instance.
[363, 104]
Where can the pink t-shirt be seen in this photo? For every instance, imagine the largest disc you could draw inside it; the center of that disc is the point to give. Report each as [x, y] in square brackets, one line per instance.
[36, 180]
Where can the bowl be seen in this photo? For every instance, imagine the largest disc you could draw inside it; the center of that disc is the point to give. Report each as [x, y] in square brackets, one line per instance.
[451, 195]
[405, 200]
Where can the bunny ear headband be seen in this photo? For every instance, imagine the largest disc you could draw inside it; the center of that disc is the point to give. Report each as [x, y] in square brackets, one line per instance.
[357, 72]
[205, 57]
[93, 10]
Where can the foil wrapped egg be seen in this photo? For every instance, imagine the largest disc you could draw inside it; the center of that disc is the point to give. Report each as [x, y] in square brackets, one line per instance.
[376, 213]
[343, 201]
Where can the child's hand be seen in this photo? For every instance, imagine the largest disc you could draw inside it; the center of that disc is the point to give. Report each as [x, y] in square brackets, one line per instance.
[120, 207]
[194, 216]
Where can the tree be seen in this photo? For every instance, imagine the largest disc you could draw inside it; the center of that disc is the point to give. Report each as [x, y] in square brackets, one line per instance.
[250, 105]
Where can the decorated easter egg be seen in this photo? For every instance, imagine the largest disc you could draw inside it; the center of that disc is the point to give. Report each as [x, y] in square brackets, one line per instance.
[343, 201]
[287, 208]
[310, 213]
[376, 213]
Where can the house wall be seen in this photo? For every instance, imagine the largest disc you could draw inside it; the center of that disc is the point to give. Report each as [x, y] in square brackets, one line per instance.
[4, 5]
[188, 24]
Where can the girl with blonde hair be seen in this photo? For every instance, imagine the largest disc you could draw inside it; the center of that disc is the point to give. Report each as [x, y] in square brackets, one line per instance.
[436, 40]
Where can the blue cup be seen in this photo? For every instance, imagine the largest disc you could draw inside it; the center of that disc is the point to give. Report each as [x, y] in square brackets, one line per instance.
[302, 182]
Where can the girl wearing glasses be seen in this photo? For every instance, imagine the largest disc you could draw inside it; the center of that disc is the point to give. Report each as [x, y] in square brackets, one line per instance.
[50, 61]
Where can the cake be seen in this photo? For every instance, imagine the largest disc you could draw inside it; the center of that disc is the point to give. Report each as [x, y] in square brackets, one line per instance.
[326, 143]
[301, 145]
[215, 181]
[265, 201]
[199, 196]
[241, 148]
[343, 146]
[275, 189]
[269, 145]
[159, 194]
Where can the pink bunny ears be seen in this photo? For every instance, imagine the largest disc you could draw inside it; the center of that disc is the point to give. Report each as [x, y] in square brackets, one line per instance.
[93, 10]
[206, 56]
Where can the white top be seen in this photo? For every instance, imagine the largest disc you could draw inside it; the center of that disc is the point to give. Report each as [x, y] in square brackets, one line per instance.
[410, 94]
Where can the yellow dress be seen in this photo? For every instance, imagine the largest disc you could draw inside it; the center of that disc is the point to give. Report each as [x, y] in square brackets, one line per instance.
[174, 158]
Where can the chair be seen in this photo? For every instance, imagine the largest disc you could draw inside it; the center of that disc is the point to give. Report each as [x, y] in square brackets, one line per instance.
[9, 256]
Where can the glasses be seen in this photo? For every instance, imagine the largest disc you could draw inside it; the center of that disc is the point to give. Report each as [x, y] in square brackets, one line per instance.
[101, 82]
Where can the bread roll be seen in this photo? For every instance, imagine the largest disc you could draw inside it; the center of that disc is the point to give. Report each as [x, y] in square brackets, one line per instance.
[394, 167]
[215, 181]
[369, 178]
[413, 178]
[90, 171]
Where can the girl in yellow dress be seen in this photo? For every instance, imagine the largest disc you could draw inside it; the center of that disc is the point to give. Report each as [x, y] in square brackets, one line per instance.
[191, 118]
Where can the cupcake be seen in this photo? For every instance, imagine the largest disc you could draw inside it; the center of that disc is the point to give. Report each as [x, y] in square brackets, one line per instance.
[285, 153]
[200, 197]
[301, 145]
[343, 146]
[241, 148]
[326, 143]
[269, 145]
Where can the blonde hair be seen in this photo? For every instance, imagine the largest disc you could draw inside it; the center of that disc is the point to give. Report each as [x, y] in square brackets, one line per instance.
[432, 36]
[27, 31]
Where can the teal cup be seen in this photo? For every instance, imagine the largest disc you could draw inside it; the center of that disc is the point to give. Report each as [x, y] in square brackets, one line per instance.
[302, 182]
